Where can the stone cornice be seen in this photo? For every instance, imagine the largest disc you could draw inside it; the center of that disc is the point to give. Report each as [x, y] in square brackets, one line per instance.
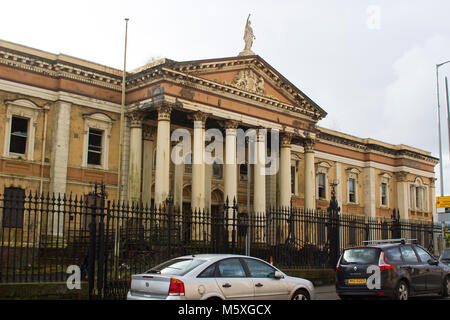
[374, 148]
[305, 109]
[254, 62]
[58, 69]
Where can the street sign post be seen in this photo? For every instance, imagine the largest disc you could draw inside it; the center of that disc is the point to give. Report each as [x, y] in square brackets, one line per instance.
[443, 202]
[444, 217]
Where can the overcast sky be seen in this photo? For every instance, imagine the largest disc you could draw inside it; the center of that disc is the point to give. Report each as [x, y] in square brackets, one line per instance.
[370, 64]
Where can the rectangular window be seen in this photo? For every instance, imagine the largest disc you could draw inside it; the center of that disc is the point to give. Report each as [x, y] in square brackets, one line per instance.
[321, 185]
[95, 147]
[351, 190]
[19, 134]
[292, 180]
[418, 198]
[13, 210]
[384, 200]
[412, 191]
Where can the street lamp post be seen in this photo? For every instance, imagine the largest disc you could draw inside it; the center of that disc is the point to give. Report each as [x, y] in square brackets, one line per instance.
[439, 125]
[440, 140]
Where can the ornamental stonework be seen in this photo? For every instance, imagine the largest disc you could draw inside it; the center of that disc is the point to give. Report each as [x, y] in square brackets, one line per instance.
[308, 144]
[286, 139]
[164, 111]
[249, 81]
[136, 118]
[148, 132]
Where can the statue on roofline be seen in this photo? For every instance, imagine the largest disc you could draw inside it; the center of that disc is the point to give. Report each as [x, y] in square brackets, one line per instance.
[248, 38]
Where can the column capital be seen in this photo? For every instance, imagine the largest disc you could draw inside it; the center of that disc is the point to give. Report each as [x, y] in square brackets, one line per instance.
[286, 139]
[164, 111]
[200, 116]
[401, 176]
[308, 144]
[148, 132]
[231, 124]
[136, 118]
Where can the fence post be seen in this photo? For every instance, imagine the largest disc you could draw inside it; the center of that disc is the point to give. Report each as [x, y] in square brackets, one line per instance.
[334, 224]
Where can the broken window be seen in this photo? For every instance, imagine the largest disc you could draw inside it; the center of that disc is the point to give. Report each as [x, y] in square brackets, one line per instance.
[19, 134]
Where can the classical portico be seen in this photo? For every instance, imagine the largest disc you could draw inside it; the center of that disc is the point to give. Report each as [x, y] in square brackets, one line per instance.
[150, 153]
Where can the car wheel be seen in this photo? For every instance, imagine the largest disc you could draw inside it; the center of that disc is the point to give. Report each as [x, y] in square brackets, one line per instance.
[402, 291]
[301, 295]
[446, 287]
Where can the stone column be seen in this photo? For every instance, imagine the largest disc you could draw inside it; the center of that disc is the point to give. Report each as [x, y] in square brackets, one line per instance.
[162, 183]
[339, 183]
[259, 188]
[60, 147]
[285, 171]
[230, 165]
[369, 192]
[58, 163]
[310, 177]
[259, 196]
[178, 182]
[402, 194]
[147, 164]
[135, 164]
[198, 162]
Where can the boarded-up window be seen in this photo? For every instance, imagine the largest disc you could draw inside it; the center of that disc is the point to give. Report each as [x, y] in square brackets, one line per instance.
[13, 208]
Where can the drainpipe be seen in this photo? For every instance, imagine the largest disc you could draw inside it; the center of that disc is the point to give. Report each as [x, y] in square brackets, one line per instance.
[45, 109]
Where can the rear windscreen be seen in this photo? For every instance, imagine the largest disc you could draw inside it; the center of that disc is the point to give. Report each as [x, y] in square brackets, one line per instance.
[361, 256]
[446, 254]
[177, 267]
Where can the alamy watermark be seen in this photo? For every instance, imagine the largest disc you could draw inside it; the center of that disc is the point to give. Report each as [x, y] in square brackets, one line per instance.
[215, 148]
[74, 278]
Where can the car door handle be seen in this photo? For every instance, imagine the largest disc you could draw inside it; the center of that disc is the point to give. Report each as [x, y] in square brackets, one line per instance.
[226, 285]
[259, 285]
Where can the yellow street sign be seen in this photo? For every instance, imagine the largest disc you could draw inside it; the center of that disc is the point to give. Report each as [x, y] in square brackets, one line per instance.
[443, 202]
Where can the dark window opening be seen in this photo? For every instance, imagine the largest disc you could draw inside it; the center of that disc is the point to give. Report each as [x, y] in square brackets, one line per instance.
[321, 186]
[292, 179]
[217, 170]
[384, 194]
[19, 134]
[95, 147]
[351, 190]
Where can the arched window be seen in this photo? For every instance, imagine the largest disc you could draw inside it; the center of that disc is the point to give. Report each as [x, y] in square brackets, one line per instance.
[418, 195]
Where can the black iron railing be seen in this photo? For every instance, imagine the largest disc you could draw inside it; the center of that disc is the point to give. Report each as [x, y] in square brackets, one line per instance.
[42, 235]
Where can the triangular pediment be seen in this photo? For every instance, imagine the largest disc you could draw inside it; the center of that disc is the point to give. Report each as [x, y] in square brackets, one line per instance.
[250, 74]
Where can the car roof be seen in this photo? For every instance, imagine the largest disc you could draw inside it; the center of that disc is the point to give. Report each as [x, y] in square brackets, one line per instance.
[379, 246]
[209, 256]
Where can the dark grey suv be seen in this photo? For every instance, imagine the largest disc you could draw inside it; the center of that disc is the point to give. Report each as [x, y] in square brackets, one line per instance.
[392, 269]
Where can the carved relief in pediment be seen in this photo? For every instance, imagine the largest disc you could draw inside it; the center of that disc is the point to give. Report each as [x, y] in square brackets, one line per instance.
[249, 81]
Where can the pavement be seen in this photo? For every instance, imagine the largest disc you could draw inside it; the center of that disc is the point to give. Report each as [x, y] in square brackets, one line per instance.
[329, 293]
[326, 293]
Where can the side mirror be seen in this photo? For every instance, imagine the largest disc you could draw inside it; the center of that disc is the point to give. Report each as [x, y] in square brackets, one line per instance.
[433, 262]
[278, 275]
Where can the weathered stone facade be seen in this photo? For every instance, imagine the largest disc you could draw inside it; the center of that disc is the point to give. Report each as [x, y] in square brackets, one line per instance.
[73, 107]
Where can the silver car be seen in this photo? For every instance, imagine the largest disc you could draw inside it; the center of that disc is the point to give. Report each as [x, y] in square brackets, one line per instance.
[217, 277]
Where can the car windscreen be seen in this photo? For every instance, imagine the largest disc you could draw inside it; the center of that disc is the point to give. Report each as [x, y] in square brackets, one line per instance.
[176, 267]
[360, 256]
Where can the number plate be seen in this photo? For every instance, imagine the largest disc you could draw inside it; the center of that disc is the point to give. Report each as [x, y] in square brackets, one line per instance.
[355, 281]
